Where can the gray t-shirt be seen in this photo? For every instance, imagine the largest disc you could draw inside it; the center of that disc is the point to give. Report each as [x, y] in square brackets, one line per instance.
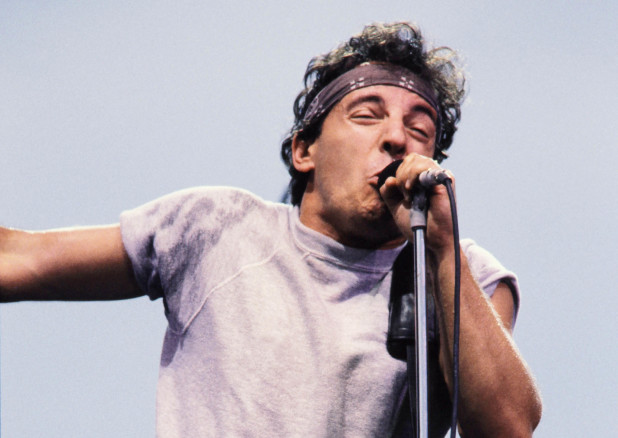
[274, 329]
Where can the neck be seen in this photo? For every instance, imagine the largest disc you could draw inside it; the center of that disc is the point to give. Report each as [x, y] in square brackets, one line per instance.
[380, 234]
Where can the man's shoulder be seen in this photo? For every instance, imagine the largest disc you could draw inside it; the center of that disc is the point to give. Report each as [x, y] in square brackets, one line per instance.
[226, 207]
[209, 199]
[216, 194]
[202, 209]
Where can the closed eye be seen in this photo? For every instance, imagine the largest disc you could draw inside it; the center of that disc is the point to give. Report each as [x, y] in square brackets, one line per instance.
[365, 107]
[364, 115]
[421, 131]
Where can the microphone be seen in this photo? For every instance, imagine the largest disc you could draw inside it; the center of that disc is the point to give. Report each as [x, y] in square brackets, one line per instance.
[389, 170]
[433, 177]
[428, 179]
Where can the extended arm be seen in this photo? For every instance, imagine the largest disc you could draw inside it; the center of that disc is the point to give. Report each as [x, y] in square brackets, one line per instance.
[65, 264]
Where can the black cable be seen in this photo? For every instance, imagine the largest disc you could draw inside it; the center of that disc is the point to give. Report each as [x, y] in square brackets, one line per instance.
[456, 315]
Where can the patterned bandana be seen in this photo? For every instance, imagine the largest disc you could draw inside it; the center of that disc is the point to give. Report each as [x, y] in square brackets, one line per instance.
[366, 75]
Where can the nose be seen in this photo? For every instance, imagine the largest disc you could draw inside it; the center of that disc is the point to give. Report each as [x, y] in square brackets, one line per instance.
[394, 139]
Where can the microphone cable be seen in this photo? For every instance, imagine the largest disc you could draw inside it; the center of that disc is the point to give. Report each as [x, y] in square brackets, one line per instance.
[456, 304]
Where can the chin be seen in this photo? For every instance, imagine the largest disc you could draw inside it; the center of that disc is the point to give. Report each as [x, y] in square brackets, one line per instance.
[375, 210]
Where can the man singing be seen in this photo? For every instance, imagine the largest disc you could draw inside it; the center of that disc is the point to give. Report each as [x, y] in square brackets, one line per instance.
[278, 313]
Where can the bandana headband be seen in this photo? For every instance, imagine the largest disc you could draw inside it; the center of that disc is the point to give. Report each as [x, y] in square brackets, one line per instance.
[366, 75]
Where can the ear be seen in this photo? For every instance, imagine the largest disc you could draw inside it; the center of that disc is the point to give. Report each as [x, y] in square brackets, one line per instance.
[302, 156]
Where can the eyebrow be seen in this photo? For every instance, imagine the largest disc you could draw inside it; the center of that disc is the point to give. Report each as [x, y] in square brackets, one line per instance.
[367, 98]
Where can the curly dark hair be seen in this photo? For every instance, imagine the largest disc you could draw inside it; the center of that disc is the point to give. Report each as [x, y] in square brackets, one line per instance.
[395, 43]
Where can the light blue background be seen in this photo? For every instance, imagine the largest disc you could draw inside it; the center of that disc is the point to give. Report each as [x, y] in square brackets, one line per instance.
[106, 105]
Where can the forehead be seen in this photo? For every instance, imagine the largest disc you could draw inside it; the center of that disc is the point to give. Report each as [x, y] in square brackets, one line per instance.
[389, 96]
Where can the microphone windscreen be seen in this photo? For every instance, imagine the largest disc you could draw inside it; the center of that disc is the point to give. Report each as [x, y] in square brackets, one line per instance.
[389, 170]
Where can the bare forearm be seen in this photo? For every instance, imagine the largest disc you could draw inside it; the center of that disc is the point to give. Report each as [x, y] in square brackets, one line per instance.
[498, 396]
[68, 264]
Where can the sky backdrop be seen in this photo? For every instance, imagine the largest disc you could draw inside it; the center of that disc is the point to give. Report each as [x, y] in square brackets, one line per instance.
[107, 105]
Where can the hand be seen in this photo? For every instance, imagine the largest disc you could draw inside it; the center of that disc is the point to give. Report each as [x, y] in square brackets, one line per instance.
[397, 194]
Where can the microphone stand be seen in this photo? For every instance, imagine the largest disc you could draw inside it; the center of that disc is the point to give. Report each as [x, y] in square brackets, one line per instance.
[418, 221]
[400, 336]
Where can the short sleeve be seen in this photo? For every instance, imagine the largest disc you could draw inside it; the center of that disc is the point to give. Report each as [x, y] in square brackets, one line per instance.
[184, 244]
[488, 272]
[162, 237]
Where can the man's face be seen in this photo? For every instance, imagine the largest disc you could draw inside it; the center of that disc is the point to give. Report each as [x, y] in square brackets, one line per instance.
[362, 134]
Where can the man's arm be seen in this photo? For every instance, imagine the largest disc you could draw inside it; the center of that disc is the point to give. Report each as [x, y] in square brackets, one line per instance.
[497, 393]
[66, 264]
